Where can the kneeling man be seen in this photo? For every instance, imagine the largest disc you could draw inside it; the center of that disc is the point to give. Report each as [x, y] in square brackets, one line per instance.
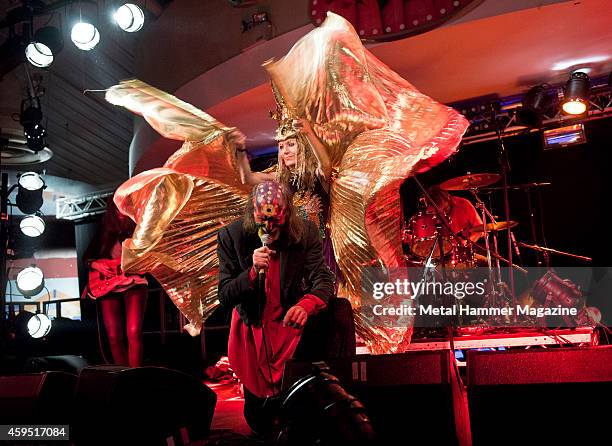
[273, 290]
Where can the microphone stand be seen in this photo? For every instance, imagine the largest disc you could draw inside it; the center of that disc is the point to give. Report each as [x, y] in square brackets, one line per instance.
[261, 300]
[442, 221]
[533, 226]
[505, 168]
[555, 251]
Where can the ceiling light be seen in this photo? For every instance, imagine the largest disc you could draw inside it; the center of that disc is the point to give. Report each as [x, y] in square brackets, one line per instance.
[129, 17]
[576, 94]
[32, 225]
[29, 194]
[85, 36]
[30, 281]
[46, 44]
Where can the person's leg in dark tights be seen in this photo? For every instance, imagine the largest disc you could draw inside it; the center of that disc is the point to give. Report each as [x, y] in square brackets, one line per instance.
[135, 304]
[112, 313]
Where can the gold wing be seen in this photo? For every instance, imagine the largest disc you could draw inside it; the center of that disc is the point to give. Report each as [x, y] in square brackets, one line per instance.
[179, 208]
[379, 130]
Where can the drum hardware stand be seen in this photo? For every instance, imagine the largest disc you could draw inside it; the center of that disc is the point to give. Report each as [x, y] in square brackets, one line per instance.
[504, 163]
[482, 249]
[527, 187]
[442, 221]
[498, 287]
[485, 212]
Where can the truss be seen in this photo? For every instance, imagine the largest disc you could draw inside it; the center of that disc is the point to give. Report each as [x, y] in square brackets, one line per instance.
[75, 208]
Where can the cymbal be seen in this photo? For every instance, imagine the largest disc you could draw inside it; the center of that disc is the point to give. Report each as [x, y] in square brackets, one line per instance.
[471, 181]
[493, 227]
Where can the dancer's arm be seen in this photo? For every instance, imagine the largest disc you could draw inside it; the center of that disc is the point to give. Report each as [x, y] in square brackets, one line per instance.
[247, 176]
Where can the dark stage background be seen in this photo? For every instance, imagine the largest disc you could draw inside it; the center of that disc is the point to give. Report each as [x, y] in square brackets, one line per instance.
[573, 211]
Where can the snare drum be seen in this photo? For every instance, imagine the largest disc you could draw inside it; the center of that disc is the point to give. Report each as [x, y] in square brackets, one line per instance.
[421, 233]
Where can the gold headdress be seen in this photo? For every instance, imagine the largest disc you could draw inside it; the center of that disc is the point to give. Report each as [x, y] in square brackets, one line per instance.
[283, 116]
[302, 174]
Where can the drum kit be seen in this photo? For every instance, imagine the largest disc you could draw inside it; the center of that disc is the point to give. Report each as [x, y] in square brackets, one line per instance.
[430, 241]
[426, 229]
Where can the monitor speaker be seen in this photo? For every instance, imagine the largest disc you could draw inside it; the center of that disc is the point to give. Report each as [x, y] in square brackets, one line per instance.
[544, 396]
[145, 405]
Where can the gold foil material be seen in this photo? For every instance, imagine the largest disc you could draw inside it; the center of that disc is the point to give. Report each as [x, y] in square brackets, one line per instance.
[379, 130]
[179, 208]
[171, 117]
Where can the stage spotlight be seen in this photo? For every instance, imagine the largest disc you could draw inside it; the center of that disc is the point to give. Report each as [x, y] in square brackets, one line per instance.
[45, 45]
[32, 225]
[30, 118]
[536, 103]
[317, 410]
[129, 17]
[576, 95]
[30, 281]
[85, 36]
[39, 325]
[29, 195]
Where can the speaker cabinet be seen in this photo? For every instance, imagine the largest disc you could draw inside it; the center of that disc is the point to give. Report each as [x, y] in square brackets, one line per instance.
[43, 398]
[145, 405]
[549, 396]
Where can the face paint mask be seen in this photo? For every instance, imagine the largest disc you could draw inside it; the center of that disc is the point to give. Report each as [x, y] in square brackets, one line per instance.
[269, 207]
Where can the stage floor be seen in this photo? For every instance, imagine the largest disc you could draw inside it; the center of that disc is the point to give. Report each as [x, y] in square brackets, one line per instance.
[230, 428]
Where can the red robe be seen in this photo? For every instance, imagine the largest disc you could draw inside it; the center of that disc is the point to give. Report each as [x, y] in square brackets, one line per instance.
[258, 354]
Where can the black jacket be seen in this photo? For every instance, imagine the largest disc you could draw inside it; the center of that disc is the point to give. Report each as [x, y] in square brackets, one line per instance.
[302, 270]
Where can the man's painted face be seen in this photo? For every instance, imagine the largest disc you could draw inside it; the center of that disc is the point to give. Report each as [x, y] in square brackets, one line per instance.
[269, 206]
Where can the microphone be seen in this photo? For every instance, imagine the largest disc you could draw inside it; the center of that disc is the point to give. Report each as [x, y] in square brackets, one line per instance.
[265, 241]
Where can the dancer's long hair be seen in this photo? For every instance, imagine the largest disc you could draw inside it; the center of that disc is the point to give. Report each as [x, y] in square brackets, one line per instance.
[294, 225]
[115, 227]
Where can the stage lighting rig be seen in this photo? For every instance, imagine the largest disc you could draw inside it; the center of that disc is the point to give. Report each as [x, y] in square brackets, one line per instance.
[39, 325]
[129, 17]
[29, 194]
[536, 104]
[32, 225]
[30, 281]
[576, 94]
[45, 45]
[30, 118]
[85, 35]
